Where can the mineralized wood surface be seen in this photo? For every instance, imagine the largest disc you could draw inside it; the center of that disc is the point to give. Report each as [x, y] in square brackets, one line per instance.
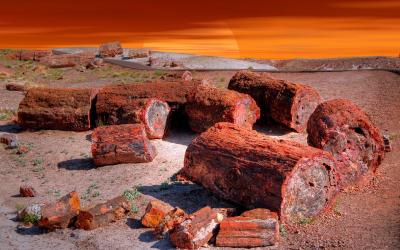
[254, 228]
[173, 218]
[196, 230]
[117, 144]
[114, 109]
[256, 171]
[209, 105]
[343, 129]
[155, 211]
[103, 214]
[287, 103]
[67, 60]
[56, 108]
[60, 214]
[110, 49]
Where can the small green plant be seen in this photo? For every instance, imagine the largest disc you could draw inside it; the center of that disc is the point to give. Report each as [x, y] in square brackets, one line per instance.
[159, 73]
[91, 192]
[282, 230]
[31, 218]
[37, 162]
[6, 115]
[54, 74]
[134, 209]
[131, 194]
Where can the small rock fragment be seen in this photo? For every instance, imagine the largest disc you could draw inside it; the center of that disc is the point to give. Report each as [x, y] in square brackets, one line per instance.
[387, 143]
[9, 139]
[169, 221]
[139, 53]
[155, 212]
[27, 191]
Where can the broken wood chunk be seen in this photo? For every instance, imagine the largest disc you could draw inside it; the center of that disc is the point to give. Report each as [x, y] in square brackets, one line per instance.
[117, 144]
[343, 129]
[156, 210]
[56, 108]
[67, 60]
[195, 231]
[387, 143]
[209, 105]
[111, 49]
[27, 191]
[169, 222]
[10, 140]
[120, 109]
[259, 228]
[16, 87]
[103, 214]
[254, 170]
[287, 103]
[60, 214]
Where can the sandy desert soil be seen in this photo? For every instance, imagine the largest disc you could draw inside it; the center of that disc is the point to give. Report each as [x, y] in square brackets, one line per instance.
[366, 217]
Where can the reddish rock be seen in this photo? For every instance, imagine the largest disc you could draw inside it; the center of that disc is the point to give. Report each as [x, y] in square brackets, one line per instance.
[114, 109]
[173, 218]
[60, 215]
[117, 144]
[34, 55]
[9, 139]
[254, 170]
[343, 129]
[16, 87]
[110, 49]
[195, 231]
[185, 76]
[139, 53]
[255, 228]
[27, 191]
[155, 212]
[387, 143]
[103, 214]
[6, 71]
[56, 108]
[209, 105]
[68, 60]
[287, 103]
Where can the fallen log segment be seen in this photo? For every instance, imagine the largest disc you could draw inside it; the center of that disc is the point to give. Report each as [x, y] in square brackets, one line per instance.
[155, 212]
[119, 109]
[117, 144]
[67, 60]
[103, 214]
[110, 49]
[173, 218]
[287, 103]
[56, 108]
[197, 229]
[209, 105]
[254, 228]
[254, 170]
[343, 129]
[60, 215]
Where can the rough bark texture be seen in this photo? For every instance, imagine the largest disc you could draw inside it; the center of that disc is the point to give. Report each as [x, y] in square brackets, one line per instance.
[103, 214]
[155, 212]
[118, 144]
[16, 87]
[114, 109]
[27, 191]
[68, 60]
[196, 230]
[209, 105]
[254, 228]
[61, 109]
[60, 214]
[255, 170]
[343, 129]
[173, 218]
[33, 55]
[287, 103]
[110, 49]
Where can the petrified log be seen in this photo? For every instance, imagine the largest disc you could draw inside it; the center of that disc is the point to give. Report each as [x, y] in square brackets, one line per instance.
[173, 218]
[119, 109]
[287, 103]
[110, 49]
[27, 191]
[185, 76]
[67, 60]
[34, 55]
[103, 214]
[118, 144]
[209, 105]
[139, 53]
[16, 87]
[155, 212]
[254, 228]
[254, 170]
[60, 214]
[61, 109]
[343, 129]
[197, 230]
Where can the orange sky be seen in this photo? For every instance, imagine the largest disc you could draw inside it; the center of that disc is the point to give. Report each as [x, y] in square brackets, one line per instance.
[252, 28]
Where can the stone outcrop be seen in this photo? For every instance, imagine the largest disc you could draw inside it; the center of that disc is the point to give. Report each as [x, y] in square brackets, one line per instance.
[110, 49]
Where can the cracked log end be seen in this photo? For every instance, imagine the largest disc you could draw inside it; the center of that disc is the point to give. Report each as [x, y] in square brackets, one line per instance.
[155, 212]
[60, 214]
[254, 170]
[343, 129]
[117, 144]
[156, 118]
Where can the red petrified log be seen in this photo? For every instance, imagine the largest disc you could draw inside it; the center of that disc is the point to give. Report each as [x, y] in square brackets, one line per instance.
[59, 215]
[343, 129]
[197, 230]
[114, 109]
[209, 105]
[118, 144]
[103, 214]
[255, 170]
[51, 108]
[254, 228]
[155, 212]
[290, 104]
[16, 87]
[110, 49]
[67, 60]
[27, 191]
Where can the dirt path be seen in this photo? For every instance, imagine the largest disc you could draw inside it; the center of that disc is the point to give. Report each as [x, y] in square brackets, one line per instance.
[58, 162]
